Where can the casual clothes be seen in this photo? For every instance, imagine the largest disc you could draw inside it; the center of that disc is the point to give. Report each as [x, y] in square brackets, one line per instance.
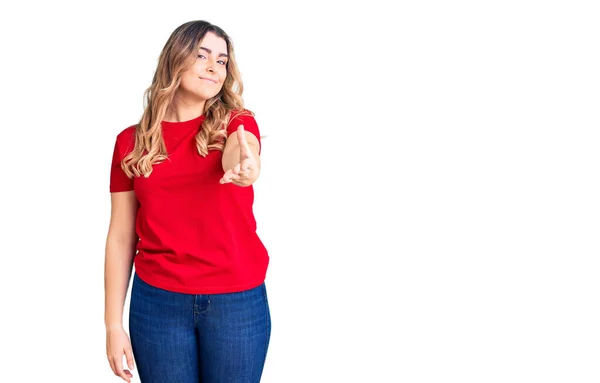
[196, 236]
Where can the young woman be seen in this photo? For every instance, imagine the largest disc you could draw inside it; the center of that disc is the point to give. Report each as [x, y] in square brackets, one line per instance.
[181, 214]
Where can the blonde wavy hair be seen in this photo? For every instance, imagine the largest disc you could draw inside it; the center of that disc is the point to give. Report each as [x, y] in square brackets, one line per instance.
[179, 54]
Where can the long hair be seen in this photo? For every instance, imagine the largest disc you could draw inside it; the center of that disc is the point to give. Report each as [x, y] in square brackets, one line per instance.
[178, 55]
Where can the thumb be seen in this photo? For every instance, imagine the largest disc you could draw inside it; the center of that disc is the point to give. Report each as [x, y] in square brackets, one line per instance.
[129, 357]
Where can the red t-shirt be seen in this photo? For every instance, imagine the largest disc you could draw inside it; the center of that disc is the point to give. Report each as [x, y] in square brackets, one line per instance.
[196, 236]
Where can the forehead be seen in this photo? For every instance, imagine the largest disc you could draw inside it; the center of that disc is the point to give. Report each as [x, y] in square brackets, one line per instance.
[214, 43]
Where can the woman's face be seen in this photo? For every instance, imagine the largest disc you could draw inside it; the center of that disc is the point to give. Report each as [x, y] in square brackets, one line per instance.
[204, 79]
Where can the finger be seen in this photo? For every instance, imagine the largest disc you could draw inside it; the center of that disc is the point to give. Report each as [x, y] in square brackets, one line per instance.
[118, 368]
[245, 151]
[126, 375]
[241, 134]
[248, 164]
[237, 168]
[129, 357]
[112, 365]
[228, 177]
[237, 182]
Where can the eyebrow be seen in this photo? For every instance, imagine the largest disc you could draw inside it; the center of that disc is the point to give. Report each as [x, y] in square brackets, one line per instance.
[209, 52]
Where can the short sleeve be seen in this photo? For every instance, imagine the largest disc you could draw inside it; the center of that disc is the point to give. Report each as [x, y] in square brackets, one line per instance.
[119, 181]
[247, 119]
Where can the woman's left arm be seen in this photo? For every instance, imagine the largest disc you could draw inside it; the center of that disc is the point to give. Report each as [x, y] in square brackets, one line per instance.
[241, 158]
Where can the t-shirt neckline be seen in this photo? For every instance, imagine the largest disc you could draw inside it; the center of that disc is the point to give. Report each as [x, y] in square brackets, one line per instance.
[182, 123]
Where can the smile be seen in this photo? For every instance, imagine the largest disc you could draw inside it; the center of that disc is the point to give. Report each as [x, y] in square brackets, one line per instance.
[208, 79]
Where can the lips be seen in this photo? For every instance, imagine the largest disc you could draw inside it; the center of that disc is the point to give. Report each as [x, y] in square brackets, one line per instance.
[209, 79]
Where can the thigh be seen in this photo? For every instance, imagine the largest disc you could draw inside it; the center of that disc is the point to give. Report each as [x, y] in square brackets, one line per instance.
[161, 327]
[234, 335]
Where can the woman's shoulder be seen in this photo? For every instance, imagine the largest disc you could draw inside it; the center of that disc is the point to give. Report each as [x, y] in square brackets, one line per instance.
[126, 137]
[241, 114]
[243, 117]
[127, 133]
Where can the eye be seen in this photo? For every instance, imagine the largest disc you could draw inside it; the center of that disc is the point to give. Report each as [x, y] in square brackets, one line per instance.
[201, 56]
[222, 62]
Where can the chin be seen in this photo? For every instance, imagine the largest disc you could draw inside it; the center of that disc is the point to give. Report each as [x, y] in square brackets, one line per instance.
[206, 95]
[202, 96]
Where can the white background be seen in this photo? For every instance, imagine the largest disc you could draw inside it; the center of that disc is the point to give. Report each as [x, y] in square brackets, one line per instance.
[429, 193]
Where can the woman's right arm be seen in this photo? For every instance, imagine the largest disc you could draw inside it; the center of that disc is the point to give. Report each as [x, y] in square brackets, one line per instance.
[121, 243]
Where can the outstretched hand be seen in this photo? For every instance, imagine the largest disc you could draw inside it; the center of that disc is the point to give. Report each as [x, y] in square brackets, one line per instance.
[246, 171]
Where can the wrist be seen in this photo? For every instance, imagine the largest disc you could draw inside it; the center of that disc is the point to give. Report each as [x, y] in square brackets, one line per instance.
[110, 326]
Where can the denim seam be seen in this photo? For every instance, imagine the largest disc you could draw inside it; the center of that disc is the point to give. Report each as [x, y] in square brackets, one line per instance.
[266, 322]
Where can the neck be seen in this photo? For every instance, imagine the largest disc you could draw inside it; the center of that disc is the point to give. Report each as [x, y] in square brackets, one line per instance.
[184, 110]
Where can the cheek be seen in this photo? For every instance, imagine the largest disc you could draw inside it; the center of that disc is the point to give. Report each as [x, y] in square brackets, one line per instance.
[189, 76]
[191, 82]
[185, 82]
[223, 74]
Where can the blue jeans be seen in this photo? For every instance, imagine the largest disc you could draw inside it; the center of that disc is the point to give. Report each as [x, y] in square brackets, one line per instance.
[207, 338]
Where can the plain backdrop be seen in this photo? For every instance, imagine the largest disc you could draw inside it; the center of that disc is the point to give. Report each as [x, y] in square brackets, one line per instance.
[429, 193]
